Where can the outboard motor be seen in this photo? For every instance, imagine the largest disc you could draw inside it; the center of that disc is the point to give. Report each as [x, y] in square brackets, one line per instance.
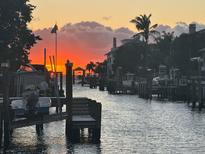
[31, 96]
[32, 101]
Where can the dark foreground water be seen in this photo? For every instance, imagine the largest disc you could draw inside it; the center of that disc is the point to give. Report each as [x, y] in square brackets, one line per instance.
[129, 125]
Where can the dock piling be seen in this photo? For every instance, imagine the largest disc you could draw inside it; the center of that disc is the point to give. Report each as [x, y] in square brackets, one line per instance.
[69, 98]
[1, 129]
[6, 79]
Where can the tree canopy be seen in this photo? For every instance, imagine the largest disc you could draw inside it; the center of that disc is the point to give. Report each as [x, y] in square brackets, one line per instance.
[90, 67]
[16, 39]
[186, 47]
[129, 56]
[174, 52]
[167, 50]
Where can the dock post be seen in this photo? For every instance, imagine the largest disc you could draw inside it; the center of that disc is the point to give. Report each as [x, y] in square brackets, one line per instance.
[44, 57]
[200, 91]
[6, 79]
[1, 129]
[73, 77]
[61, 92]
[39, 129]
[83, 78]
[97, 131]
[96, 110]
[193, 96]
[69, 98]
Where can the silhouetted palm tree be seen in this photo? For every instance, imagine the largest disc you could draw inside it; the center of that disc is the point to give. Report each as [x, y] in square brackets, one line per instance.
[143, 24]
[90, 67]
[100, 67]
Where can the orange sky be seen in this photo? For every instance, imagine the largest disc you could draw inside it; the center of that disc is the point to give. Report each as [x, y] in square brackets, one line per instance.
[69, 48]
[112, 13]
[64, 53]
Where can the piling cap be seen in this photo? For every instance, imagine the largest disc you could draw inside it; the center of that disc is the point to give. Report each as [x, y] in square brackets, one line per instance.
[69, 63]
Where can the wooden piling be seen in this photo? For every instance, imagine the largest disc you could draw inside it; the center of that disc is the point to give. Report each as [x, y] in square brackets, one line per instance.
[61, 91]
[1, 128]
[39, 129]
[69, 98]
[95, 111]
[73, 76]
[6, 79]
[44, 60]
[83, 78]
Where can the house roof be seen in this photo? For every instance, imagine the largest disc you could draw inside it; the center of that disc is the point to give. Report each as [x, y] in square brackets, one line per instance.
[78, 69]
[111, 51]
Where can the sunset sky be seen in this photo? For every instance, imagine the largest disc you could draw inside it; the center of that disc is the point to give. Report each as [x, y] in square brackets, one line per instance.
[101, 14]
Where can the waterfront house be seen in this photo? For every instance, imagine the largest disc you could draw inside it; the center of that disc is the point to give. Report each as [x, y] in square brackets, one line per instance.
[202, 69]
[111, 58]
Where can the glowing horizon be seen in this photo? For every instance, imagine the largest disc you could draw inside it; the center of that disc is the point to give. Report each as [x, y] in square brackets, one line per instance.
[112, 13]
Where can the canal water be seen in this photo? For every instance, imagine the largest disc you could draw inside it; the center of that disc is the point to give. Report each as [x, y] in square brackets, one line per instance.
[129, 125]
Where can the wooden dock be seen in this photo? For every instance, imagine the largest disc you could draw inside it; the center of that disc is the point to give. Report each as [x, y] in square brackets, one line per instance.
[80, 113]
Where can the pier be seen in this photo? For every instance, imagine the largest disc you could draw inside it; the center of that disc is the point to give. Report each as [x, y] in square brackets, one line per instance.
[80, 113]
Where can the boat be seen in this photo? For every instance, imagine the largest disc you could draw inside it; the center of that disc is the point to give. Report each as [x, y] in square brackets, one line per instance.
[33, 87]
[20, 107]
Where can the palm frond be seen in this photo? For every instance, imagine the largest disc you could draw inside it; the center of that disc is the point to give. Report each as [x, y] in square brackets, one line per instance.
[133, 21]
[149, 16]
[154, 26]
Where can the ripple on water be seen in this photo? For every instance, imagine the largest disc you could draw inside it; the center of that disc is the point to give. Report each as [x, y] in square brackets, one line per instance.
[129, 125]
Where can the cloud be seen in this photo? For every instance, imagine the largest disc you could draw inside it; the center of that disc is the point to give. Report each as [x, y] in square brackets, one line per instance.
[179, 28]
[107, 18]
[80, 42]
[85, 41]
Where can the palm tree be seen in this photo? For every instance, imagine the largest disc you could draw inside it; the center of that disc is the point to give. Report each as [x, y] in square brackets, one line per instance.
[100, 67]
[143, 24]
[90, 67]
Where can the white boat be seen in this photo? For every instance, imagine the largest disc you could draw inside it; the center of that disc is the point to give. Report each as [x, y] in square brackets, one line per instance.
[19, 107]
[129, 80]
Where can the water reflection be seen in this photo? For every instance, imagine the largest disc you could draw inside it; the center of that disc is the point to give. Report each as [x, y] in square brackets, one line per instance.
[129, 125]
[52, 140]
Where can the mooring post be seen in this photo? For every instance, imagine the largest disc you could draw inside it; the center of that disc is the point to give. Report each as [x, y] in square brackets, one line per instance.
[98, 129]
[73, 77]
[44, 57]
[69, 98]
[95, 110]
[44, 63]
[61, 92]
[200, 87]
[6, 85]
[39, 129]
[1, 130]
[83, 78]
